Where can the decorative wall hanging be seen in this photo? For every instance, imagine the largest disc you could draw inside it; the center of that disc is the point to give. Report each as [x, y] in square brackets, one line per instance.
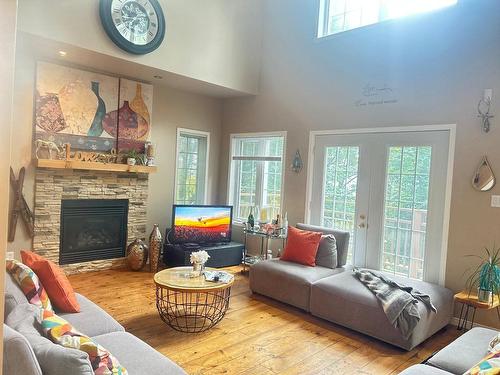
[89, 111]
[70, 105]
[297, 163]
[483, 108]
[484, 178]
[20, 207]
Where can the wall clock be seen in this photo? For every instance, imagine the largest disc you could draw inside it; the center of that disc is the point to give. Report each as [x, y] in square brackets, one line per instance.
[136, 26]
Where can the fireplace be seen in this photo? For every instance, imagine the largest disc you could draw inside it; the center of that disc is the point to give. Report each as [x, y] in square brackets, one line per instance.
[92, 229]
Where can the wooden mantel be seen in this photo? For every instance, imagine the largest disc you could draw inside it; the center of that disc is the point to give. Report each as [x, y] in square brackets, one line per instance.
[93, 166]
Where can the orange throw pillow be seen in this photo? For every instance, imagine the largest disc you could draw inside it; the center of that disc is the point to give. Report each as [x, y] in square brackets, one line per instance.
[301, 247]
[54, 280]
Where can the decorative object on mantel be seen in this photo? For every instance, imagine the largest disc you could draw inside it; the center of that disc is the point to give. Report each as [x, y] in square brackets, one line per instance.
[155, 243]
[137, 255]
[20, 207]
[198, 260]
[486, 276]
[150, 154]
[297, 163]
[133, 158]
[50, 147]
[483, 108]
[484, 178]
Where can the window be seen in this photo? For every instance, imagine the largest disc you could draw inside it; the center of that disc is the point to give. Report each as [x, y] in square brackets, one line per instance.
[191, 167]
[336, 16]
[256, 174]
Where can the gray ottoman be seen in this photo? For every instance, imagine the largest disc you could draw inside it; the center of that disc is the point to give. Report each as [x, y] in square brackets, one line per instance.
[286, 281]
[423, 370]
[344, 300]
[464, 352]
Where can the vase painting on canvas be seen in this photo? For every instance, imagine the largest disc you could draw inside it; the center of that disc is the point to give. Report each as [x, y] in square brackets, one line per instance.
[134, 115]
[71, 106]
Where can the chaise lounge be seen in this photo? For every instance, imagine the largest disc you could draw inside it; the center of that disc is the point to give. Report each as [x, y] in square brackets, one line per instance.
[337, 296]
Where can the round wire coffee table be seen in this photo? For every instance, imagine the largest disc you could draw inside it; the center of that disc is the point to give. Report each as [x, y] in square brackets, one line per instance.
[190, 304]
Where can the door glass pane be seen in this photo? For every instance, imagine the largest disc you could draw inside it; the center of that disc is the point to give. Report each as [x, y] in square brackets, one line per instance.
[405, 210]
[340, 189]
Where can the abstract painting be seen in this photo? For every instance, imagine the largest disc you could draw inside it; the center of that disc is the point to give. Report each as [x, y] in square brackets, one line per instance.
[134, 115]
[71, 106]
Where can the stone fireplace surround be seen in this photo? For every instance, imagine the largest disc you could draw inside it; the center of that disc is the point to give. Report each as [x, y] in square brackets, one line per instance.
[54, 185]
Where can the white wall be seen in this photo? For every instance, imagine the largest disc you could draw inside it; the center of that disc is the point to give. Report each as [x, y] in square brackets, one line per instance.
[438, 64]
[217, 41]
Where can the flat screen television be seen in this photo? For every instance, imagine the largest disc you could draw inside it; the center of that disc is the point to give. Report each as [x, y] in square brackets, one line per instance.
[201, 224]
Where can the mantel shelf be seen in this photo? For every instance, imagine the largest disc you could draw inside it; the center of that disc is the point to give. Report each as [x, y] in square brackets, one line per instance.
[93, 166]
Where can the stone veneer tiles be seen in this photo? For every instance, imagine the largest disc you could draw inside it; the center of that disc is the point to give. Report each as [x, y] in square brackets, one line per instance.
[54, 185]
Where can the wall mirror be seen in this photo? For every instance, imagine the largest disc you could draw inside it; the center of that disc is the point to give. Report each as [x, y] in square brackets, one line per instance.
[484, 179]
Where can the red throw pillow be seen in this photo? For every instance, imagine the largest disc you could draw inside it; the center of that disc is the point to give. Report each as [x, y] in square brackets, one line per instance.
[301, 247]
[54, 280]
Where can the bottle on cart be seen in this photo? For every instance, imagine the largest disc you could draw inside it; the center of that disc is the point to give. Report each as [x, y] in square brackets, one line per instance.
[269, 254]
[251, 220]
[285, 224]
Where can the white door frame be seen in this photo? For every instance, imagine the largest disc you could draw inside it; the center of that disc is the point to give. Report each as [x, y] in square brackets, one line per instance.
[451, 128]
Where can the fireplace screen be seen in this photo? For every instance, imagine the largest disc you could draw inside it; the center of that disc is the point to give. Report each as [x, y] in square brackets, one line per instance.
[93, 229]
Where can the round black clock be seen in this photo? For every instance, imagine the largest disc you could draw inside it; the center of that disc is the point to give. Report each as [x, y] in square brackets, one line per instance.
[136, 26]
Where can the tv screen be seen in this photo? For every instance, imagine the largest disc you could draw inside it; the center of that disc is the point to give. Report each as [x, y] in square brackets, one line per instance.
[202, 224]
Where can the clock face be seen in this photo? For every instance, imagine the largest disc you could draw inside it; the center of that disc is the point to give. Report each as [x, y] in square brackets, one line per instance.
[136, 21]
[137, 26]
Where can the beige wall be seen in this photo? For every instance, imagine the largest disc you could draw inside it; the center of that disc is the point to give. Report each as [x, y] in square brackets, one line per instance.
[216, 41]
[7, 44]
[171, 109]
[438, 64]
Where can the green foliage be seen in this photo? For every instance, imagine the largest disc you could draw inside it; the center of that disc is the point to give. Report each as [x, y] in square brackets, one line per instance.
[486, 275]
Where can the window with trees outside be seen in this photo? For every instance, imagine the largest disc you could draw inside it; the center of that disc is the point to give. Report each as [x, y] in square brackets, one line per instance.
[191, 166]
[336, 16]
[256, 175]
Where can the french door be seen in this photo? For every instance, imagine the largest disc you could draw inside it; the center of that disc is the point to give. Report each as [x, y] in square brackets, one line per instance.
[388, 190]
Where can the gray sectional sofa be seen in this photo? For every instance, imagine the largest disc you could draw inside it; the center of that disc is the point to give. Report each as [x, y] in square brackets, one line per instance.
[458, 357]
[337, 296]
[26, 351]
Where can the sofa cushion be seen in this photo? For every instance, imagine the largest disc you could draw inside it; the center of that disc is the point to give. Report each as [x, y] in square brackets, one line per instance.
[63, 333]
[53, 359]
[286, 281]
[137, 356]
[13, 294]
[327, 252]
[343, 299]
[301, 246]
[18, 355]
[423, 370]
[29, 283]
[54, 280]
[341, 237]
[92, 320]
[465, 351]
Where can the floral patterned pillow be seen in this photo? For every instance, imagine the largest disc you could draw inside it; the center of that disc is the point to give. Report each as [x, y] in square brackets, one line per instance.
[29, 284]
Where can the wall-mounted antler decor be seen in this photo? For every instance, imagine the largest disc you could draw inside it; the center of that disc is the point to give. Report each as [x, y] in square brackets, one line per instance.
[20, 206]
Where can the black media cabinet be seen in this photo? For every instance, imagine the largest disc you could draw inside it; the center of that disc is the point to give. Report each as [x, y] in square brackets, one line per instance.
[221, 255]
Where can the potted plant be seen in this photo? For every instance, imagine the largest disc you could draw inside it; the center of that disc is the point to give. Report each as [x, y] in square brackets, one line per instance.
[134, 157]
[486, 276]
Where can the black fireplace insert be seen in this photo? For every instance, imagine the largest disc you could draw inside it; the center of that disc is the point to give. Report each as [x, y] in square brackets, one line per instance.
[93, 229]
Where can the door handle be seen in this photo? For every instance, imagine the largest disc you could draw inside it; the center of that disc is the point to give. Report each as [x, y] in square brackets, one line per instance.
[362, 225]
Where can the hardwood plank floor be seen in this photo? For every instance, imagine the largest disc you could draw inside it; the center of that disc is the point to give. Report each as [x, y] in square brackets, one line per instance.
[257, 335]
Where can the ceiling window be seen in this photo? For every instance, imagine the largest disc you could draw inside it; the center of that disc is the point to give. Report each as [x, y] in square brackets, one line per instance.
[191, 167]
[256, 175]
[336, 16]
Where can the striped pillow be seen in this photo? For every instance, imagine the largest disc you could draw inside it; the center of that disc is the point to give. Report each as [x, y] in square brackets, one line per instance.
[29, 284]
[61, 332]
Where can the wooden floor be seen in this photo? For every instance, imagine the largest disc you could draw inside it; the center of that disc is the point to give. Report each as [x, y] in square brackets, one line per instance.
[257, 336]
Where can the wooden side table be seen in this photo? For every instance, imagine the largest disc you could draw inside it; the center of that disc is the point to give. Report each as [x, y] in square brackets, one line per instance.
[470, 303]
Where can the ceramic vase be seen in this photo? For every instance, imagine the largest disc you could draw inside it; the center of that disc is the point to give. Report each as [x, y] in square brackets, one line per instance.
[198, 269]
[155, 241]
[137, 255]
[96, 128]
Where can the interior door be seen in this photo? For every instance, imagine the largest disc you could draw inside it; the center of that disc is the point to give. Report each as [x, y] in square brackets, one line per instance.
[388, 190]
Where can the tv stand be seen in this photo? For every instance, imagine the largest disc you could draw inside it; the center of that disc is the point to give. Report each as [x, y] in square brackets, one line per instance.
[223, 254]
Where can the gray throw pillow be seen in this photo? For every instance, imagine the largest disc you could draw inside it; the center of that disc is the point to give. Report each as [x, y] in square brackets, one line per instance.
[327, 252]
[54, 359]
